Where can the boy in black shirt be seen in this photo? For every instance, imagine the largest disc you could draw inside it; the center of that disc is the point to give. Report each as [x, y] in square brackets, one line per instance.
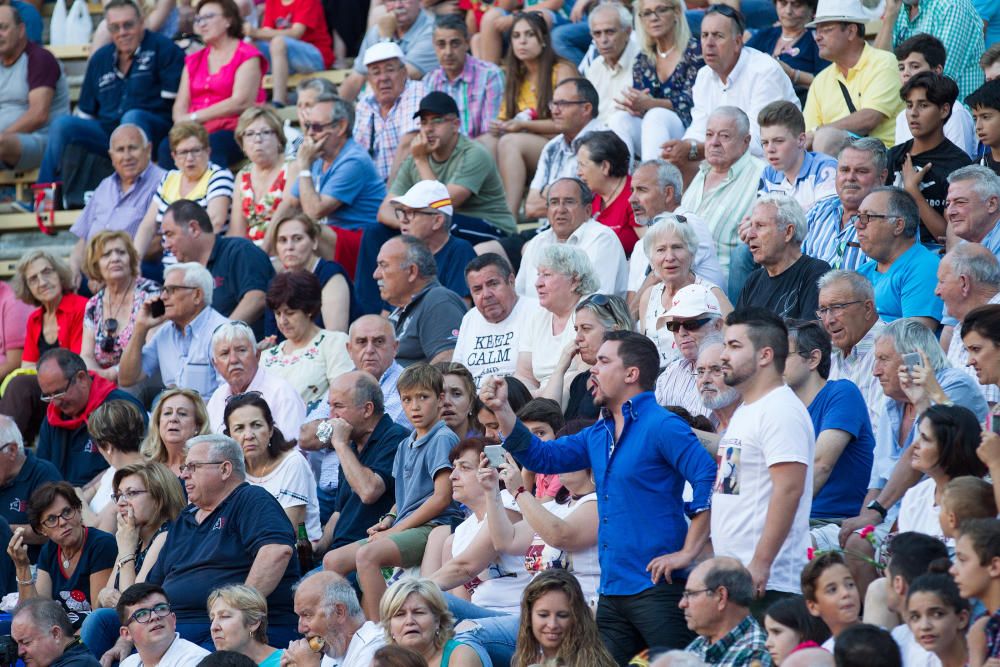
[985, 105]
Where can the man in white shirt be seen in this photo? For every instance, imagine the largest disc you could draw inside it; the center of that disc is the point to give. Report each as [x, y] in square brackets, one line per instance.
[568, 211]
[611, 72]
[148, 622]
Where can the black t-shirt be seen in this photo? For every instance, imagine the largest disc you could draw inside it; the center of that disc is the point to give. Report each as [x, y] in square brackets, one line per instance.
[945, 158]
[237, 267]
[72, 591]
[792, 293]
[581, 402]
[986, 160]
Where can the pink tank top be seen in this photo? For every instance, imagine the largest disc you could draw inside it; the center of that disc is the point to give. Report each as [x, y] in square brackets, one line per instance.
[208, 89]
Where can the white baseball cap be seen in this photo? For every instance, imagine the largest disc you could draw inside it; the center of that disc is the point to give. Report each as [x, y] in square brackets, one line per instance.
[846, 11]
[693, 301]
[427, 194]
[382, 51]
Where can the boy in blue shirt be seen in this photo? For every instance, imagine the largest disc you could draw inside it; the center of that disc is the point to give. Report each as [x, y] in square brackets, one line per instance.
[422, 472]
[803, 175]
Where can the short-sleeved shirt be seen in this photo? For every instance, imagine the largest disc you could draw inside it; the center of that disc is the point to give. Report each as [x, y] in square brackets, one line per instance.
[831, 239]
[287, 407]
[381, 136]
[215, 182]
[199, 557]
[417, 45]
[351, 179]
[816, 180]
[485, 80]
[238, 267]
[293, 485]
[111, 209]
[491, 349]
[792, 293]
[14, 315]
[69, 316]
[73, 590]
[14, 495]
[34, 68]
[150, 84]
[428, 324]
[308, 13]
[417, 462]
[558, 158]
[310, 368]
[907, 288]
[944, 158]
[184, 358]
[839, 405]
[211, 88]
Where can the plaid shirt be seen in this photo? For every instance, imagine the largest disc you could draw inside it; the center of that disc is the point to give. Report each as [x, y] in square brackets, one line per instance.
[743, 644]
[381, 136]
[485, 80]
[825, 239]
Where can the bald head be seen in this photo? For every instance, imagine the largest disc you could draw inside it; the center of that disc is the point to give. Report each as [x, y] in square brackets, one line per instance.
[372, 344]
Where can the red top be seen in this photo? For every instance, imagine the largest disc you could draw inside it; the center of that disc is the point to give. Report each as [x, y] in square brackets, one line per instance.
[208, 89]
[282, 16]
[619, 216]
[69, 315]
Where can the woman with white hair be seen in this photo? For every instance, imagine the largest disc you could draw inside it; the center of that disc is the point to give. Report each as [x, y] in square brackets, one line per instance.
[671, 246]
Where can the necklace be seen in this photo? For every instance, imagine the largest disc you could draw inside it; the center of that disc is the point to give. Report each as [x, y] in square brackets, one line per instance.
[66, 560]
[664, 54]
[792, 38]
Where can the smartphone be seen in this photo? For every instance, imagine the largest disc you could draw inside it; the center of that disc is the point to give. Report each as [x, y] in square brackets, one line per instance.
[995, 423]
[157, 309]
[912, 359]
[495, 455]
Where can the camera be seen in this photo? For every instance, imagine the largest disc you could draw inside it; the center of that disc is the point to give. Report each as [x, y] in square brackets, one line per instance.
[8, 651]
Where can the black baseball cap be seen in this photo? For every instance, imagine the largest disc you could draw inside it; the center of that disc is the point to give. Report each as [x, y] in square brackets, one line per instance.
[437, 103]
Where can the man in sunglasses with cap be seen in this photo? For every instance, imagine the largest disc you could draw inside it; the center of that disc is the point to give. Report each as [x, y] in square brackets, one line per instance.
[148, 622]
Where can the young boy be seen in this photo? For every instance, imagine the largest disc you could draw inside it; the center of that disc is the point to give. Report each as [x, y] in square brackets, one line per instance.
[926, 53]
[977, 573]
[965, 498]
[803, 175]
[985, 105]
[421, 471]
[921, 165]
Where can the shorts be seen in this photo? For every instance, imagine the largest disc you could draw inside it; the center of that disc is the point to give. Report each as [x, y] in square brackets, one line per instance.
[411, 544]
[827, 538]
[32, 149]
[346, 251]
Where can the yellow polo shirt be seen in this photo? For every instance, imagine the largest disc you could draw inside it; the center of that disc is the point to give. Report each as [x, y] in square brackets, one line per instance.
[873, 82]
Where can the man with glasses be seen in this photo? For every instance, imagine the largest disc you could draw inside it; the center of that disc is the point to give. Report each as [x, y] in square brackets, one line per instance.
[21, 472]
[148, 622]
[179, 351]
[45, 636]
[72, 394]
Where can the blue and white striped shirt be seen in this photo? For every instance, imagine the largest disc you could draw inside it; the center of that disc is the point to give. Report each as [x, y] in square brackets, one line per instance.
[826, 240]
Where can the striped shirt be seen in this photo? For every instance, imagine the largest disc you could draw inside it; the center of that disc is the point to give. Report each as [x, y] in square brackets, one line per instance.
[381, 136]
[486, 83]
[677, 385]
[215, 182]
[816, 180]
[858, 367]
[959, 358]
[826, 240]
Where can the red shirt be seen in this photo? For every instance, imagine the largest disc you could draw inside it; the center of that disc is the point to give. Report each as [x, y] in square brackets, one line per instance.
[69, 315]
[309, 13]
[619, 216]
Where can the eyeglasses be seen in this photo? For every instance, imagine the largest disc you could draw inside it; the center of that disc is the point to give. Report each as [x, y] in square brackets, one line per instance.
[194, 465]
[115, 28]
[317, 127]
[835, 308]
[729, 12]
[245, 394]
[702, 372]
[862, 219]
[204, 18]
[689, 325]
[437, 121]
[189, 153]
[560, 104]
[403, 215]
[53, 519]
[261, 135]
[45, 274]
[48, 398]
[169, 290]
[7, 446]
[145, 615]
[127, 495]
[687, 595]
[660, 12]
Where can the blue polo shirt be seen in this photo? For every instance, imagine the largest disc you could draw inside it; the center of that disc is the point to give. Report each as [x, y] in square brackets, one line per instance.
[417, 462]
[351, 180]
[14, 495]
[150, 83]
[237, 267]
[640, 483]
[199, 557]
[907, 288]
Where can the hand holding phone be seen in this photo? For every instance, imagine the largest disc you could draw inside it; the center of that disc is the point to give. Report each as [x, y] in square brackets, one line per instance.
[911, 359]
[495, 455]
[157, 308]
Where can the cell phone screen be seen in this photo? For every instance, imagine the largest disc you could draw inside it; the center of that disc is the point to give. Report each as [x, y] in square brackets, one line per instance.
[157, 308]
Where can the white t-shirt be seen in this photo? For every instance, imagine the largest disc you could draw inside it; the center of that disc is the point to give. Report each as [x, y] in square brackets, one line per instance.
[774, 429]
[366, 641]
[491, 349]
[181, 653]
[919, 513]
[914, 655]
[103, 494]
[292, 484]
[544, 347]
[500, 585]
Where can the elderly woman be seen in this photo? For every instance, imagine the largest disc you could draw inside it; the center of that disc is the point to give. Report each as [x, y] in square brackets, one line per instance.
[671, 246]
[272, 462]
[116, 428]
[792, 44]
[460, 406]
[414, 615]
[295, 242]
[658, 106]
[76, 561]
[565, 275]
[220, 81]
[42, 280]
[602, 161]
[260, 185]
[309, 358]
[239, 623]
[179, 415]
[110, 314]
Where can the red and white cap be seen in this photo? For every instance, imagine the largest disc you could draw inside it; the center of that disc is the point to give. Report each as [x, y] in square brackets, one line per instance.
[693, 301]
[429, 194]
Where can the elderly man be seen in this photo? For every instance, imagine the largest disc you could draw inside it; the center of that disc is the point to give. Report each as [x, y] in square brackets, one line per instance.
[132, 81]
[973, 206]
[862, 165]
[785, 283]
[151, 625]
[34, 94]
[72, 393]
[373, 347]
[902, 271]
[859, 92]
[21, 472]
[385, 123]
[328, 608]
[460, 72]
[968, 277]
[720, 399]
[569, 201]
[45, 636]
[716, 606]
[611, 71]
[488, 339]
[234, 355]
[426, 315]
[122, 199]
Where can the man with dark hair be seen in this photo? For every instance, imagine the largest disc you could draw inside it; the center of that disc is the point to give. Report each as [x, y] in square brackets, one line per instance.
[641, 571]
[912, 555]
[45, 636]
[761, 501]
[147, 621]
[864, 645]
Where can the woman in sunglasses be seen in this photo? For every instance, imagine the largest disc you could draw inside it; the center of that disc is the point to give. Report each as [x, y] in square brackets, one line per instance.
[109, 318]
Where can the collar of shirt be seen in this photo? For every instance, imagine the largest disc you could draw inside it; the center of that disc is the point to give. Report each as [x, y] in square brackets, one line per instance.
[717, 650]
[416, 442]
[141, 178]
[734, 76]
[467, 74]
[858, 66]
[735, 170]
[391, 375]
[402, 310]
[625, 59]
[592, 126]
[377, 108]
[867, 342]
[190, 515]
[199, 320]
[992, 238]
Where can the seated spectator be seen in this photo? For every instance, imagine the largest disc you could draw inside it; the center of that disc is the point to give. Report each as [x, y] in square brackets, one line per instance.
[832, 237]
[844, 438]
[385, 124]
[306, 93]
[294, 39]
[459, 404]
[975, 554]
[35, 95]
[73, 393]
[490, 334]
[115, 428]
[901, 270]
[14, 315]
[460, 72]
[329, 613]
[239, 623]
[789, 626]
[720, 399]
[792, 44]
[235, 357]
[216, 99]
[76, 559]
[865, 644]
[871, 108]
[716, 604]
[655, 106]
[965, 498]
[122, 199]
[110, 317]
[426, 315]
[178, 416]
[985, 104]
[973, 206]
[610, 25]
[178, 351]
[149, 623]
[45, 636]
[603, 162]
[926, 53]
[544, 418]
[831, 594]
[934, 599]
[21, 474]
[920, 166]
[803, 175]
[785, 283]
[373, 347]
[133, 82]
[434, 641]
[569, 205]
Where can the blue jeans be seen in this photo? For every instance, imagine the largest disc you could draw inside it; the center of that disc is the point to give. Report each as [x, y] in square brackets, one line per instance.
[572, 40]
[758, 14]
[495, 634]
[88, 133]
[302, 56]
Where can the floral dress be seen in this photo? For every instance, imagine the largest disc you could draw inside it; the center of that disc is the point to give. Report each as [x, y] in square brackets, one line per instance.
[93, 318]
[258, 213]
[677, 88]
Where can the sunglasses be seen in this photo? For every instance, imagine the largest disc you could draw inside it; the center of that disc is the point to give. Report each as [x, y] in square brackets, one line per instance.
[689, 325]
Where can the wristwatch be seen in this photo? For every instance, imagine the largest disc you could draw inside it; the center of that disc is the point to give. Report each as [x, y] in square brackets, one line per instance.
[324, 432]
[693, 153]
[877, 506]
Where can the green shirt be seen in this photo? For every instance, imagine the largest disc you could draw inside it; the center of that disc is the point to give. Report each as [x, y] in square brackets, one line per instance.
[471, 166]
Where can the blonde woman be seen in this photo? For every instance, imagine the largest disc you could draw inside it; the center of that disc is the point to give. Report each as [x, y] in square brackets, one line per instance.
[414, 615]
[238, 615]
[179, 416]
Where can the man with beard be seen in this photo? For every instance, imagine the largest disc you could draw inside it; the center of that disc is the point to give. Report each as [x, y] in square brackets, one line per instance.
[642, 571]
[716, 395]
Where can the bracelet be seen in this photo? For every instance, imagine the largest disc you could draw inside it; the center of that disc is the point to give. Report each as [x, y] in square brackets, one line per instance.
[29, 582]
[382, 518]
[126, 559]
[519, 491]
[305, 174]
[193, 117]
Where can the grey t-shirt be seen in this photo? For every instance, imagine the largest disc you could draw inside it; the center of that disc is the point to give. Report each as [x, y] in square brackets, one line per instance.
[417, 461]
[428, 325]
[417, 45]
[34, 68]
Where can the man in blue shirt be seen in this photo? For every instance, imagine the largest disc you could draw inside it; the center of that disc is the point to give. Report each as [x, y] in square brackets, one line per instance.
[641, 455]
[21, 472]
